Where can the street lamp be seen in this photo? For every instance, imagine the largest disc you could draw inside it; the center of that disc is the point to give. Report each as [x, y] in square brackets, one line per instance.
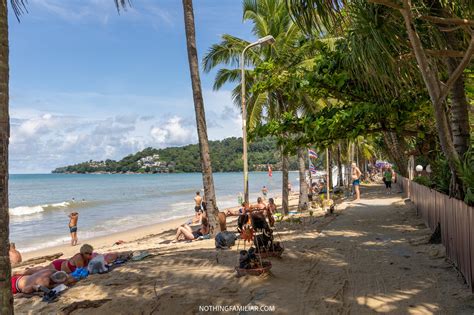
[264, 40]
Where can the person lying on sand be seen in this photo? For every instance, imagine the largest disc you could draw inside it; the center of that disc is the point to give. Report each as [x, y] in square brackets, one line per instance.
[31, 283]
[79, 260]
[15, 256]
[185, 232]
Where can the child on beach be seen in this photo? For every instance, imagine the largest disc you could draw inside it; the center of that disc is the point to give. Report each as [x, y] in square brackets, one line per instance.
[73, 217]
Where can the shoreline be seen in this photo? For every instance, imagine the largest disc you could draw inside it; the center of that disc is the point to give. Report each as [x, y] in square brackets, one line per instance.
[107, 241]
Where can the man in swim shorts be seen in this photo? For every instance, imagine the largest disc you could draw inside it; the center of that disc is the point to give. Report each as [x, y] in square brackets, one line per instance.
[73, 217]
[356, 180]
[44, 278]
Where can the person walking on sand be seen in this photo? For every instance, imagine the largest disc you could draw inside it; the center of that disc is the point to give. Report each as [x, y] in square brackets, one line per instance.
[356, 180]
[15, 256]
[387, 176]
[73, 217]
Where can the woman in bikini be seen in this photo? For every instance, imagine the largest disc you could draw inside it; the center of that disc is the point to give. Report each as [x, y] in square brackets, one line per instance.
[79, 260]
[188, 234]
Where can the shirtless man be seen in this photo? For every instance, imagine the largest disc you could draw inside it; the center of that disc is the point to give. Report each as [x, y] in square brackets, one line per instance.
[15, 256]
[356, 180]
[198, 201]
[44, 278]
[73, 217]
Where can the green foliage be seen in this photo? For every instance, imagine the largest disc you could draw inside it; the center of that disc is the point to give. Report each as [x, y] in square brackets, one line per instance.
[226, 156]
[423, 180]
[467, 176]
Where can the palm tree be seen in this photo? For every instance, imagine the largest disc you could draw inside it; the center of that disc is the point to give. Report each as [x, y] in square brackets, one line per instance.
[207, 178]
[18, 6]
[269, 17]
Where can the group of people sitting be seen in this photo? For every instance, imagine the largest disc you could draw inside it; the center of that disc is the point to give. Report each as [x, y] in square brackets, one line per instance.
[60, 271]
[260, 209]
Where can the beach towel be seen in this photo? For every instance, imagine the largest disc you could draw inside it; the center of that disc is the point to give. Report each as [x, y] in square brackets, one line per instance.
[140, 255]
[80, 273]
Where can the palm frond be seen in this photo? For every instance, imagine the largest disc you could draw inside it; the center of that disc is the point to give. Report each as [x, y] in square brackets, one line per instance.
[19, 8]
[227, 52]
[224, 76]
[122, 4]
[255, 107]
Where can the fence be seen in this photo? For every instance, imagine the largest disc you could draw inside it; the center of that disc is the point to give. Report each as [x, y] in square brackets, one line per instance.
[455, 218]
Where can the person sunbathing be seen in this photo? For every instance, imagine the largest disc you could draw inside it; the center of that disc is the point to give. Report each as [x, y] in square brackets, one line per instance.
[79, 260]
[31, 283]
[185, 232]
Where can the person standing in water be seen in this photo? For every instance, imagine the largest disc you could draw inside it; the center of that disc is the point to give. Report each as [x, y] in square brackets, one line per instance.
[356, 180]
[73, 217]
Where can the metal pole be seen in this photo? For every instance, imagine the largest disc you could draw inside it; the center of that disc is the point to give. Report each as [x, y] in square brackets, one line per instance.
[244, 127]
[270, 40]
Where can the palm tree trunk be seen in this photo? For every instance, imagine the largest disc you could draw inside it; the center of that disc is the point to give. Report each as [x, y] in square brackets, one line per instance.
[284, 170]
[459, 118]
[330, 169]
[207, 178]
[303, 198]
[396, 151]
[6, 302]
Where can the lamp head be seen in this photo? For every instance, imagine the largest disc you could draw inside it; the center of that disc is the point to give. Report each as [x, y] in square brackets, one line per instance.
[269, 39]
[419, 168]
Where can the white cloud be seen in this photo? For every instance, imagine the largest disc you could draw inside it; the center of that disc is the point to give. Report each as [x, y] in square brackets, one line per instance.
[172, 133]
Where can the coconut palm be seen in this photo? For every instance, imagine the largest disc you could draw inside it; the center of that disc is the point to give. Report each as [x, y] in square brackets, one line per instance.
[206, 168]
[269, 17]
[19, 7]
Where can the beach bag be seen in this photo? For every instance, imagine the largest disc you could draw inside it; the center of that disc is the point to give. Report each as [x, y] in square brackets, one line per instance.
[225, 239]
[97, 265]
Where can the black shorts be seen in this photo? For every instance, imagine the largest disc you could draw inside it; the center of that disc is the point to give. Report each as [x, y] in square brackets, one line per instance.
[72, 229]
[197, 208]
[388, 184]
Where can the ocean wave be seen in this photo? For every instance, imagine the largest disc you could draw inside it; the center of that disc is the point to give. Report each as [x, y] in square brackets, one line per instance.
[29, 210]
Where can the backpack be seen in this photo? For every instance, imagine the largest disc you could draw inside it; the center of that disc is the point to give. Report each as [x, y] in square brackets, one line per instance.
[225, 239]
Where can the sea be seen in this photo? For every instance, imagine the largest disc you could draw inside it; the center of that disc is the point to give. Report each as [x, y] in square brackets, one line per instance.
[108, 203]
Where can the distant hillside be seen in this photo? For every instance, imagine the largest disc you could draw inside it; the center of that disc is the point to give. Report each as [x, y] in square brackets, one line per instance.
[226, 156]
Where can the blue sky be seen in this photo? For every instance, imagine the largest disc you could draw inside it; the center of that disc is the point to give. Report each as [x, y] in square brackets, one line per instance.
[87, 83]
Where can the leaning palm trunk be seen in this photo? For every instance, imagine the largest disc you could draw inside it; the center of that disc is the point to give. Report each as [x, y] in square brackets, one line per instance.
[303, 199]
[6, 303]
[207, 178]
[284, 192]
[396, 151]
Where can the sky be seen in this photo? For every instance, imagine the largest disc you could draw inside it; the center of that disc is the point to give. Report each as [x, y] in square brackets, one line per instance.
[89, 83]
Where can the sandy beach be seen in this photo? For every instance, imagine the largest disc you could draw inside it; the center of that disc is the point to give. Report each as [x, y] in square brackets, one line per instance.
[369, 257]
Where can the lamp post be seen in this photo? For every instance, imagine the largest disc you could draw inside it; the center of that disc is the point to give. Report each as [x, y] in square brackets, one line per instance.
[264, 40]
